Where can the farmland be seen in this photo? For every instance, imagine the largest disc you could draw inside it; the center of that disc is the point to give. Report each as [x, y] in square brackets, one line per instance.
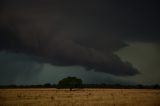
[80, 97]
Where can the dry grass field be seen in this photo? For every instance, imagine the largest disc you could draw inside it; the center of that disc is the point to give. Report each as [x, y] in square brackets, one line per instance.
[83, 97]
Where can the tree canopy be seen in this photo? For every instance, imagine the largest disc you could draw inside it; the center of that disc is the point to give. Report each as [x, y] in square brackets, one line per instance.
[70, 82]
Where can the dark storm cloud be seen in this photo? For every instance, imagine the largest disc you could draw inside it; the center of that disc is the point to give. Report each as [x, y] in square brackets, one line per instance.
[85, 33]
[132, 20]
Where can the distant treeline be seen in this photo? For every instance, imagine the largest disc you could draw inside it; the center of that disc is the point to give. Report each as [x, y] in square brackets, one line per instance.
[115, 86]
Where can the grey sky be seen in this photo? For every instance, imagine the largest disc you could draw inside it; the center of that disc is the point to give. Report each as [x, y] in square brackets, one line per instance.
[85, 33]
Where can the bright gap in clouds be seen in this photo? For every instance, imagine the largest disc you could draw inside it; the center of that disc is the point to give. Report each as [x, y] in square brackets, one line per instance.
[145, 57]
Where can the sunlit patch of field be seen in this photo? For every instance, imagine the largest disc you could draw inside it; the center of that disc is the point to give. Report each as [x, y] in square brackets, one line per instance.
[82, 97]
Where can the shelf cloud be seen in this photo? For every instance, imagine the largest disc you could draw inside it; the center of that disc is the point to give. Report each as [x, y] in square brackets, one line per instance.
[66, 33]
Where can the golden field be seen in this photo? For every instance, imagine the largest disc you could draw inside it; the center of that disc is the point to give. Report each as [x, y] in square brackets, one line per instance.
[82, 97]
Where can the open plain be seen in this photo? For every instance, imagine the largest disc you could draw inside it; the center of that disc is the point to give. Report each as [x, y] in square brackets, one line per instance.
[80, 97]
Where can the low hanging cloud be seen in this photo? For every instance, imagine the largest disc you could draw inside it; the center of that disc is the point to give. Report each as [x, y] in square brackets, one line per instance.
[64, 33]
[18, 68]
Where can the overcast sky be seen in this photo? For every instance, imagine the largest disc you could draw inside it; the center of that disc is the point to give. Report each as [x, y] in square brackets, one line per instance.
[100, 41]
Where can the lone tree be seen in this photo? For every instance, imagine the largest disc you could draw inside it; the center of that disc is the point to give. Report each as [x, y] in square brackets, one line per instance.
[70, 82]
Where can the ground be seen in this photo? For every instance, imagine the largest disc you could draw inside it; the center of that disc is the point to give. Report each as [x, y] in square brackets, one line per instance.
[80, 97]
